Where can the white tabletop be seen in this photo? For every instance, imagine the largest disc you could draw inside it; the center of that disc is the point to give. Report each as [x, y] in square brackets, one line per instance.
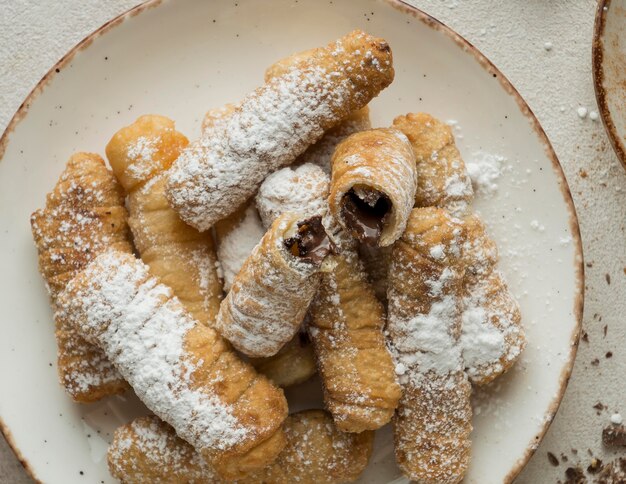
[544, 48]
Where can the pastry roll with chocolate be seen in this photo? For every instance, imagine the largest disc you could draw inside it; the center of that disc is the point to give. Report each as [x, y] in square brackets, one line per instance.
[178, 254]
[84, 216]
[271, 293]
[492, 338]
[373, 185]
[181, 369]
[148, 450]
[321, 152]
[432, 425]
[442, 180]
[274, 125]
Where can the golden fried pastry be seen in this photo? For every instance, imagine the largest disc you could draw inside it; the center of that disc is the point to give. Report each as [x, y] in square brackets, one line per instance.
[271, 293]
[179, 255]
[148, 450]
[373, 185]
[321, 152]
[84, 215]
[432, 425]
[217, 116]
[181, 369]
[442, 180]
[492, 338]
[274, 125]
[357, 372]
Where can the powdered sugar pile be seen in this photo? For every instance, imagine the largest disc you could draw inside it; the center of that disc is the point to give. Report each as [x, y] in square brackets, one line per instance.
[300, 190]
[127, 312]
[238, 244]
[484, 170]
[481, 342]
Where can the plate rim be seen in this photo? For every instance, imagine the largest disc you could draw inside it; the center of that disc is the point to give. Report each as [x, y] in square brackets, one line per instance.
[487, 65]
[597, 64]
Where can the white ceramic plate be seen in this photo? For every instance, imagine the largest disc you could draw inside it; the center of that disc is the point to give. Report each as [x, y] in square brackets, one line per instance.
[609, 70]
[181, 58]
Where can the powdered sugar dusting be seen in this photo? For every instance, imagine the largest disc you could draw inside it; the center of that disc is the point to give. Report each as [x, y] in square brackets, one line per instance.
[238, 244]
[128, 313]
[271, 128]
[484, 170]
[303, 189]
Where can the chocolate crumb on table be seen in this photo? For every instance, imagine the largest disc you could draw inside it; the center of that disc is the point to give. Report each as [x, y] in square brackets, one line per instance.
[614, 435]
[595, 466]
[553, 460]
[574, 475]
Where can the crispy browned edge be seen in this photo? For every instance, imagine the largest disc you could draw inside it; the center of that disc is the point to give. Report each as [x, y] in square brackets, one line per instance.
[489, 67]
[597, 59]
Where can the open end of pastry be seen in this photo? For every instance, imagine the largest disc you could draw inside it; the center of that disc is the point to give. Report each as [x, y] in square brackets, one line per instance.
[311, 242]
[365, 212]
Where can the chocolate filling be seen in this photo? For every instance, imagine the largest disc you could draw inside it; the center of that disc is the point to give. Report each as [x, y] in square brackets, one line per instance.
[365, 213]
[311, 242]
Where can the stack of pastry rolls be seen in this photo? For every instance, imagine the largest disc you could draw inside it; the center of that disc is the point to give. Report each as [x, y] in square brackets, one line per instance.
[362, 260]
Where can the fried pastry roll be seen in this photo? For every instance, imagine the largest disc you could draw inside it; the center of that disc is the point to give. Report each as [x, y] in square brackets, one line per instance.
[148, 450]
[373, 185]
[442, 180]
[271, 293]
[181, 369]
[432, 425]
[360, 386]
[176, 253]
[492, 338]
[321, 152]
[274, 125]
[84, 215]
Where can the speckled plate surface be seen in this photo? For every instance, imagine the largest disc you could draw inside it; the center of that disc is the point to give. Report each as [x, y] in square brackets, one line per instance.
[609, 71]
[181, 58]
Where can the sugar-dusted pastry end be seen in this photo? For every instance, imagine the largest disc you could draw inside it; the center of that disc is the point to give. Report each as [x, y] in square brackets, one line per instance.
[442, 180]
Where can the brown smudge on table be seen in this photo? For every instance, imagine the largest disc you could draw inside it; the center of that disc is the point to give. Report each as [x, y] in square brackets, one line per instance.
[553, 460]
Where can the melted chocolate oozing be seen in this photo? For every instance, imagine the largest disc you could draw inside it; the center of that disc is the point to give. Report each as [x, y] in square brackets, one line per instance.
[366, 215]
[311, 242]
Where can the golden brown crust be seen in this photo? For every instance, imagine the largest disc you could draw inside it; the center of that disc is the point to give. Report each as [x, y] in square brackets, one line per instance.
[442, 180]
[84, 215]
[360, 387]
[148, 450]
[187, 375]
[179, 255]
[433, 422]
[379, 161]
[489, 307]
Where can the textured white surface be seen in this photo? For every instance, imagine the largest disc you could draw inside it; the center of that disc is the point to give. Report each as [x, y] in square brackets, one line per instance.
[554, 80]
